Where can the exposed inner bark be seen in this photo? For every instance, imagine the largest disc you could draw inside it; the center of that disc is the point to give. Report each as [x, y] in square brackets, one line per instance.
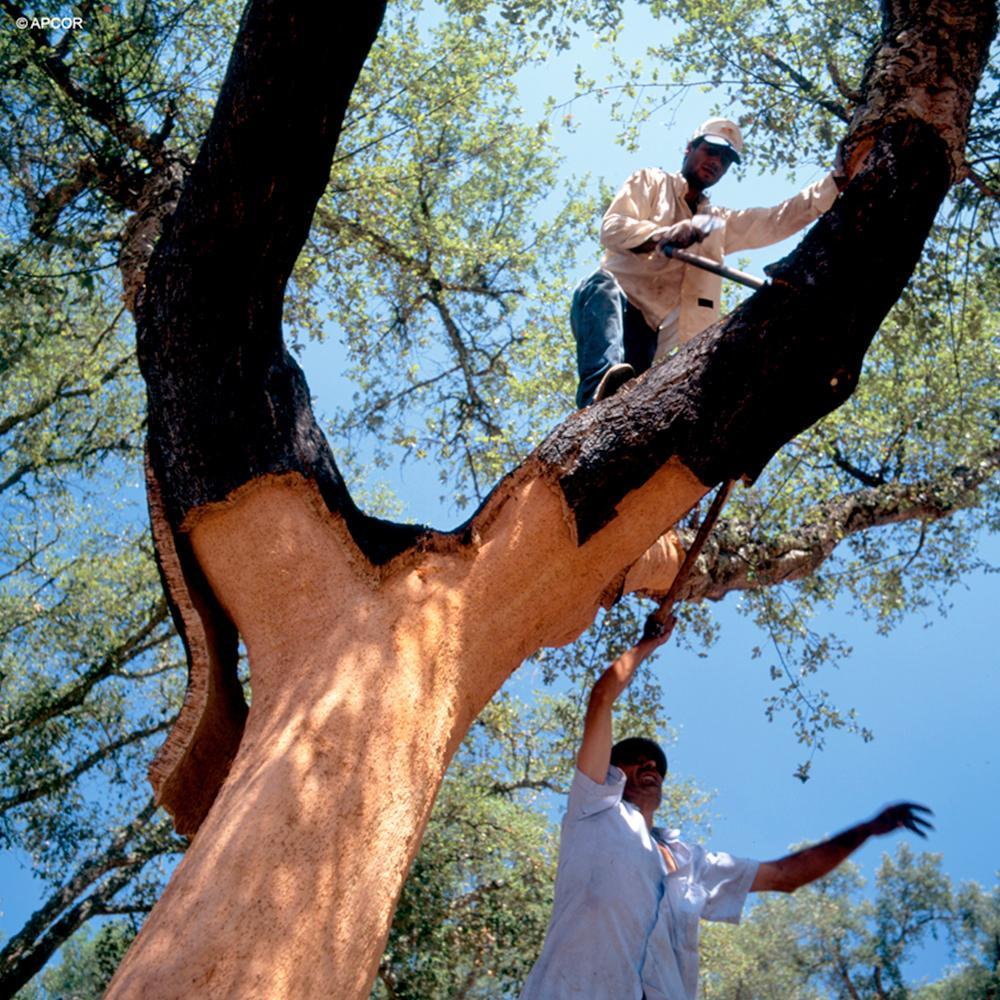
[192, 764]
[712, 407]
[365, 681]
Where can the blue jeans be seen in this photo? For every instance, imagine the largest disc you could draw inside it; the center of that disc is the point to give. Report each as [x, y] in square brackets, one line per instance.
[609, 330]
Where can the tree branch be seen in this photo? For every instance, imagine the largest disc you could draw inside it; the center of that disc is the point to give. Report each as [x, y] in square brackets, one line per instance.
[55, 461]
[966, 173]
[117, 180]
[732, 560]
[59, 779]
[27, 952]
[535, 784]
[807, 85]
[61, 392]
[852, 470]
[140, 641]
[848, 93]
[101, 111]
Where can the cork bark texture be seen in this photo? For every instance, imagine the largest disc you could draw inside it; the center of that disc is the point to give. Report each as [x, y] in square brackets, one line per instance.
[192, 764]
[926, 67]
[364, 682]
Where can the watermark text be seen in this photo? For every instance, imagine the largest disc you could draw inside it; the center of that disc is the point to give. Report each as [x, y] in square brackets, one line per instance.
[46, 23]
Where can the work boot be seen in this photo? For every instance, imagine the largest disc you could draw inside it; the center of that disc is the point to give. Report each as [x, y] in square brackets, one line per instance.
[614, 378]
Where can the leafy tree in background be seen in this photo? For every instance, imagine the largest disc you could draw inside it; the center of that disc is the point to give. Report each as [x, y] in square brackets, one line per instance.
[468, 927]
[978, 974]
[88, 961]
[828, 940]
[89, 674]
[457, 239]
[462, 371]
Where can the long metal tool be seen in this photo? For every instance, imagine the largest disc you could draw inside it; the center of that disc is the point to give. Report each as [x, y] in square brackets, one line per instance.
[750, 280]
[657, 621]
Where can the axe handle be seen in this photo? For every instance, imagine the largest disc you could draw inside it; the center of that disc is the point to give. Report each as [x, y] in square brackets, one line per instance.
[656, 622]
[750, 280]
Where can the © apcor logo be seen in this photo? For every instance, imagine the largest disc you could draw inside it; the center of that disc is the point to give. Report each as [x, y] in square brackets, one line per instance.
[47, 23]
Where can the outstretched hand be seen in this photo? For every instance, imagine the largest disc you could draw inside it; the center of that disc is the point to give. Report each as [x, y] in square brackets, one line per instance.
[899, 815]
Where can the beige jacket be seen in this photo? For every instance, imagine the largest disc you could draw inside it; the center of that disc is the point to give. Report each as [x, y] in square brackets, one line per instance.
[677, 299]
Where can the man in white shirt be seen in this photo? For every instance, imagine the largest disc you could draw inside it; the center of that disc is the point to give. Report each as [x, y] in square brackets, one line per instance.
[639, 304]
[629, 896]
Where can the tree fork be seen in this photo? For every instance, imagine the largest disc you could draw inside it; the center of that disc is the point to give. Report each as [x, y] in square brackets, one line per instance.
[709, 409]
[372, 645]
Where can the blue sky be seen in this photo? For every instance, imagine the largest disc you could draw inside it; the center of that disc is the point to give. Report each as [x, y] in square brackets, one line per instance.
[930, 690]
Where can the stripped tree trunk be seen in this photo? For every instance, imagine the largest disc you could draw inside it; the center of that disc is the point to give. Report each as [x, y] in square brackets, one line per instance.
[373, 646]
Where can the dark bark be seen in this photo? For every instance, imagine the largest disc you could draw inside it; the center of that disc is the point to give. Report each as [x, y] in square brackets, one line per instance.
[228, 404]
[226, 401]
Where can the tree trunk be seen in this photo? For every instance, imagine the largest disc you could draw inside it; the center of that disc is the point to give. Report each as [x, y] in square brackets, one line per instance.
[373, 646]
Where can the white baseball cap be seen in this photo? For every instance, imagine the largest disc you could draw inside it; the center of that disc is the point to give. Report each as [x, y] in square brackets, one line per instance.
[721, 132]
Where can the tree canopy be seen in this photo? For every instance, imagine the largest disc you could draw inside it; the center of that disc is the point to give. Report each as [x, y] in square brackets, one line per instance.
[449, 296]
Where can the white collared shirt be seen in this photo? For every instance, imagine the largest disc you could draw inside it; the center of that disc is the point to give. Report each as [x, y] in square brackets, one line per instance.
[621, 923]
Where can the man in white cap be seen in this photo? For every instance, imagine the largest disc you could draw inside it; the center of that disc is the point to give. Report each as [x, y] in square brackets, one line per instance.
[640, 303]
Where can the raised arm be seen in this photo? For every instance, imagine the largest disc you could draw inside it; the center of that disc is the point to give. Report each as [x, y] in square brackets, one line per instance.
[595, 749]
[796, 870]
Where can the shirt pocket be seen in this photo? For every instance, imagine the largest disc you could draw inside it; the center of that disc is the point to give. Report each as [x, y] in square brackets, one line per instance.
[687, 902]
